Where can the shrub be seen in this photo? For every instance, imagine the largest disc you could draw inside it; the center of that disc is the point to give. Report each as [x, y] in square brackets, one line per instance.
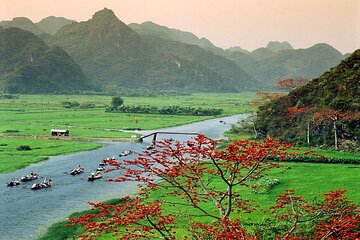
[10, 131]
[23, 148]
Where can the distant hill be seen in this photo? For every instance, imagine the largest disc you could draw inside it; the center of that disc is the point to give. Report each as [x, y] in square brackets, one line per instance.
[299, 63]
[27, 25]
[261, 53]
[23, 23]
[237, 49]
[52, 24]
[338, 89]
[153, 29]
[28, 65]
[276, 46]
[116, 56]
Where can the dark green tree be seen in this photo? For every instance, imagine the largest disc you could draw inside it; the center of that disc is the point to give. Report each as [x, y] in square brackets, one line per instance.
[116, 102]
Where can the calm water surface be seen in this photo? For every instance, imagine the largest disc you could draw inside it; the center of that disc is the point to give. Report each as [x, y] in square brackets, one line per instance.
[25, 214]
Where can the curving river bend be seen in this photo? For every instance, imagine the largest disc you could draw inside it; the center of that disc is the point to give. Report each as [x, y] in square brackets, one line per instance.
[25, 214]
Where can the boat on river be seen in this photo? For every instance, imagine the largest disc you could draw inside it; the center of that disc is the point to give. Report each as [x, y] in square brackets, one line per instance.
[100, 169]
[44, 184]
[95, 176]
[13, 182]
[30, 177]
[125, 153]
[77, 170]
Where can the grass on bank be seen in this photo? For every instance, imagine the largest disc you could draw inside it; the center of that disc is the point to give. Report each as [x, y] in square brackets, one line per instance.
[12, 159]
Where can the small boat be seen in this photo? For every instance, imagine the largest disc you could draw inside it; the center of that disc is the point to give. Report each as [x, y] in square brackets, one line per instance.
[152, 146]
[44, 184]
[77, 170]
[125, 153]
[104, 161]
[103, 164]
[100, 168]
[95, 176]
[30, 177]
[13, 182]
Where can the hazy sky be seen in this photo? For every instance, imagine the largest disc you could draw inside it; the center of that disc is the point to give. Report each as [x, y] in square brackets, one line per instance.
[246, 23]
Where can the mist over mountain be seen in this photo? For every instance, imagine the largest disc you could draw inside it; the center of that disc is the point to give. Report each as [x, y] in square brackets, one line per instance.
[116, 56]
[28, 65]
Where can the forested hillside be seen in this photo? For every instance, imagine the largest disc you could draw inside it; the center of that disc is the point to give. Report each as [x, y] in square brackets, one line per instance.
[321, 111]
[28, 65]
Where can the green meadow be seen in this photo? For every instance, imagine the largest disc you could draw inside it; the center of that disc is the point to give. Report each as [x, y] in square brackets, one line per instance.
[38, 114]
[12, 159]
[33, 116]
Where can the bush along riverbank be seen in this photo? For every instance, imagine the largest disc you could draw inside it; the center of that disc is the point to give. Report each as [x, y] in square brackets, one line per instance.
[166, 110]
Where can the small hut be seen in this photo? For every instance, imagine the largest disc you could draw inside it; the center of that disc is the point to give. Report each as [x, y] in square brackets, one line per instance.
[59, 132]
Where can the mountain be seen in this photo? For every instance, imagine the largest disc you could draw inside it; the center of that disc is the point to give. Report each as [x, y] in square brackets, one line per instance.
[28, 65]
[24, 24]
[276, 46]
[27, 25]
[299, 63]
[52, 24]
[337, 89]
[153, 29]
[237, 49]
[117, 56]
[261, 53]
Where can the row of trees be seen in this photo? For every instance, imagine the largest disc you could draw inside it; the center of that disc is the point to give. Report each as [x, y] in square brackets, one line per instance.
[203, 197]
[167, 110]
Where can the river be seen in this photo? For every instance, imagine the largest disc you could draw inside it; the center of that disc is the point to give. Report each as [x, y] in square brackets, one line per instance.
[25, 214]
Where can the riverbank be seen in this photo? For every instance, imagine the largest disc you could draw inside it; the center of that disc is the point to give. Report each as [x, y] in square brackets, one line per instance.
[13, 159]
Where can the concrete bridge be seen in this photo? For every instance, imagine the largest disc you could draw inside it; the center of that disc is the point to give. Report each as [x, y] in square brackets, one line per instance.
[154, 135]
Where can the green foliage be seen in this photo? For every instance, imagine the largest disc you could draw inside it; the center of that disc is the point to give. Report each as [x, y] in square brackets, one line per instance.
[167, 110]
[264, 185]
[23, 148]
[87, 105]
[68, 104]
[116, 102]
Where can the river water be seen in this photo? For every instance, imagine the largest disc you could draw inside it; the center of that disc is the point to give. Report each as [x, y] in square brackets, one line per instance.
[25, 214]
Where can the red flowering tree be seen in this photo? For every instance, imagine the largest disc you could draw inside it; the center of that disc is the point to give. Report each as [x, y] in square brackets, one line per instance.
[202, 186]
[291, 83]
[333, 217]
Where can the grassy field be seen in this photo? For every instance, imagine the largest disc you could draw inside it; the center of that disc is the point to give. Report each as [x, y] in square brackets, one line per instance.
[309, 180]
[329, 152]
[12, 159]
[38, 114]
